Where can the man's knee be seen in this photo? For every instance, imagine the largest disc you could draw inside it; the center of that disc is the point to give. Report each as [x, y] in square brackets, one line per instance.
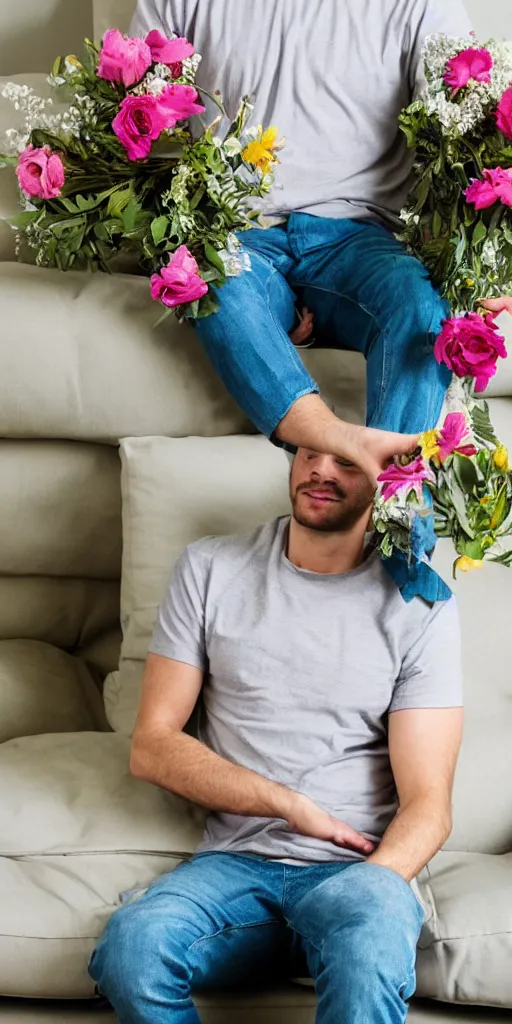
[137, 953]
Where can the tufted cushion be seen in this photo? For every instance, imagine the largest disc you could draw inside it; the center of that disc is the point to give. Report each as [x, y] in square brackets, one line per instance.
[43, 689]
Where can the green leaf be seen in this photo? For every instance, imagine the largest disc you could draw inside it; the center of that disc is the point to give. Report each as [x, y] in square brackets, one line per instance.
[56, 67]
[473, 549]
[437, 224]
[119, 200]
[465, 473]
[461, 247]
[479, 233]
[459, 503]
[213, 257]
[159, 229]
[22, 220]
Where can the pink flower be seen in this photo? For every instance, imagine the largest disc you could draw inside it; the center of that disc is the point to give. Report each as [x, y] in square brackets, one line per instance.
[40, 173]
[179, 282]
[454, 430]
[122, 59]
[470, 346]
[473, 64]
[140, 121]
[497, 185]
[180, 102]
[168, 51]
[504, 114]
[406, 479]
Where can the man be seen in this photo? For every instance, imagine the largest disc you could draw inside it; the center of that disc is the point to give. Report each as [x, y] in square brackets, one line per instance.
[328, 703]
[333, 75]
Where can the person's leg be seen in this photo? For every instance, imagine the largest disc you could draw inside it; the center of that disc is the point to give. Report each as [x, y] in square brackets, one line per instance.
[214, 922]
[359, 930]
[247, 340]
[369, 294]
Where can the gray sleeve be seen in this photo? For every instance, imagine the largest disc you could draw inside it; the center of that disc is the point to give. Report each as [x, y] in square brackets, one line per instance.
[431, 675]
[448, 17]
[179, 633]
[149, 14]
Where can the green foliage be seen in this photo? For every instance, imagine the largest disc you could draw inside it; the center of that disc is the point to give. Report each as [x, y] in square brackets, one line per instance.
[467, 252]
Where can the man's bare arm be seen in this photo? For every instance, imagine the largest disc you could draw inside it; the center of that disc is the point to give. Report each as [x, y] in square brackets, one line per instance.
[424, 745]
[164, 755]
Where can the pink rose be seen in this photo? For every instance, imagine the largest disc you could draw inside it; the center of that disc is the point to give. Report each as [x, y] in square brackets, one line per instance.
[40, 173]
[179, 282]
[180, 102]
[470, 346]
[404, 480]
[451, 437]
[504, 114]
[168, 51]
[470, 64]
[497, 185]
[142, 119]
[122, 59]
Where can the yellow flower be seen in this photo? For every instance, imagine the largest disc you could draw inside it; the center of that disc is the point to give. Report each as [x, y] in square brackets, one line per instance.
[429, 442]
[500, 458]
[261, 152]
[469, 283]
[486, 500]
[465, 564]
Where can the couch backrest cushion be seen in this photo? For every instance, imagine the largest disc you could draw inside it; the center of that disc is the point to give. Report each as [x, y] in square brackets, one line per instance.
[174, 492]
[60, 542]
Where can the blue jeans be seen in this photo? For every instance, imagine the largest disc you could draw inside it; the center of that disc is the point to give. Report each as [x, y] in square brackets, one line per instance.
[366, 293]
[227, 920]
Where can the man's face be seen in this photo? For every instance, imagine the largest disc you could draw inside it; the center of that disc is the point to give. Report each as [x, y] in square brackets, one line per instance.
[328, 494]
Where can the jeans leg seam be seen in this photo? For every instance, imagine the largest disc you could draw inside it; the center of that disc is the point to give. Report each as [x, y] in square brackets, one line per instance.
[232, 929]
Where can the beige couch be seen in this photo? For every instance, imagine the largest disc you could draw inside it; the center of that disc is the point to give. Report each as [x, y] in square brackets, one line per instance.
[90, 529]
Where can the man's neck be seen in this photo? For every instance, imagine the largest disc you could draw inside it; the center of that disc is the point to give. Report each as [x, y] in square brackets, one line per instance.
[329, 553]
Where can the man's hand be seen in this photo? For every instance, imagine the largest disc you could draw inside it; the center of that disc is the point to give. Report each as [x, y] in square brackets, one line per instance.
[305, 818]
[501, 305]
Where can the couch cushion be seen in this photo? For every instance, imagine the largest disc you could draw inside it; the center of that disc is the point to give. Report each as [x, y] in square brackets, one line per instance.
[73, 793]
[469, 950]
[174, 492]
[53, 910]
[152, 381]
[66, 612]
[43, 689]
[60, 508]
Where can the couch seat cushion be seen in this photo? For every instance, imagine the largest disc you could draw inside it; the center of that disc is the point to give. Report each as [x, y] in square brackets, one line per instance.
[73, 794]
[466, 948]
[43, 689]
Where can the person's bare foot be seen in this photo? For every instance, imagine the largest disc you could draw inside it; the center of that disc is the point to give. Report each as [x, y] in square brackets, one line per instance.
[303, 332]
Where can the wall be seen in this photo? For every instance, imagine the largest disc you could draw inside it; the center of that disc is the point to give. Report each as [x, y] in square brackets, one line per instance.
[34, 32]
[491, 17]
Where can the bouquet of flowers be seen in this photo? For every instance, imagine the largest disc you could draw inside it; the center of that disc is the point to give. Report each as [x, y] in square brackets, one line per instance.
[130, 166]
[458, 222]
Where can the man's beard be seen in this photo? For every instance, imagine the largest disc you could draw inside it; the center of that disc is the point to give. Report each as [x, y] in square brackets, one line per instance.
[338, 517]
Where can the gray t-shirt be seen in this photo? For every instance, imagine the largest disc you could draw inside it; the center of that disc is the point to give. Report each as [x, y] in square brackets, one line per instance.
[333, 75]
[301, 672]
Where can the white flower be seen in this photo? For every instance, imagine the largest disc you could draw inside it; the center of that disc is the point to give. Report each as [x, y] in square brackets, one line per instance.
[235, 259]
[232, 146]
[463, 115]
